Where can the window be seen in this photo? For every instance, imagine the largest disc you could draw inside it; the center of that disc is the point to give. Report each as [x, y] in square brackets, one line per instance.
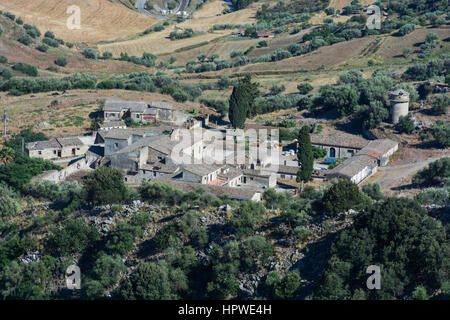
[116, 145]
[39, 152]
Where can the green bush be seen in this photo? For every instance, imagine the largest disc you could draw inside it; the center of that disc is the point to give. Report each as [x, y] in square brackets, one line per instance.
[61, 61]
[27, 69]
[74, 237]
[342, 196]
[106, 186]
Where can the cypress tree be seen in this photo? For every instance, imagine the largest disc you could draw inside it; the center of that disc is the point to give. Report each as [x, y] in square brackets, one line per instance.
[238, 106]
[304, 155]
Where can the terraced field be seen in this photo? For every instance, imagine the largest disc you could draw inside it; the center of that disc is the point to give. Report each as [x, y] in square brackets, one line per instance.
[100, 19]
[202, 21]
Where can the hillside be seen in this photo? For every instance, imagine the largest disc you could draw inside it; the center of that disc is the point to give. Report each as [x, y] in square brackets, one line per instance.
[355, 172]
[101, 19]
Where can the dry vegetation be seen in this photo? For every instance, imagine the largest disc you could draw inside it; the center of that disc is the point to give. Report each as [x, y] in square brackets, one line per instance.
[203, 20]
[100, 19]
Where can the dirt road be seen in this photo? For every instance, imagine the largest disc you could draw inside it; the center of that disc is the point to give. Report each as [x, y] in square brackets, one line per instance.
[394, 176]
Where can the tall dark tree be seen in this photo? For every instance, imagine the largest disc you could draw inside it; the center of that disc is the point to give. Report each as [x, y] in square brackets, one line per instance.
[304, 155]
[242, 102]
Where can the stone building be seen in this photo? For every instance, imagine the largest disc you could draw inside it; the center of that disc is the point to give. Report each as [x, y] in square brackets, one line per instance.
[366, 162]
[338, 146]
[117, 110]
[56, 148]
[399, 100]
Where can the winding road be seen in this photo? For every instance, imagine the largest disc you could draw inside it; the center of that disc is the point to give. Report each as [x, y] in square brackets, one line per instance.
[140, 5]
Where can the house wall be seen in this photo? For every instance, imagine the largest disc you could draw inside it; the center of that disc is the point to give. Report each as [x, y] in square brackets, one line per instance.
[234, 182]
[114, 145]
[260, 181]
[191, 177]
[112, 115]
[137, 116]
[45, 154]
[125, 162]
[164, 114]
[340, 152]
[385, 158]
[53, 153]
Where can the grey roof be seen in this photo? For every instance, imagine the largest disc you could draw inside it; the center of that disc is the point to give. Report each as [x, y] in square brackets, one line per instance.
[347, 141]
[231, 173]
[159, 167]
[119, 105]
[352, 166]
[141, 143]
[161, 105]
[378, 148]
[113, 124]
[124, 134]
[41, 145]
[399, 92]
[202, 169]
[282, 169]
[57, 143]
[256, 173]
[69, 142]
[163, 145]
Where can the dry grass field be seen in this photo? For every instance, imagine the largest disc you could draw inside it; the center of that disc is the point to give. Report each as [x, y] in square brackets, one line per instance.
[16, 52]
[100, 19]
[393, 46]
[203, 20]
[329, 56]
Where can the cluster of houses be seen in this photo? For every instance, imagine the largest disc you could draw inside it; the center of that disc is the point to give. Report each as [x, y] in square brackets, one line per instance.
[153, 153]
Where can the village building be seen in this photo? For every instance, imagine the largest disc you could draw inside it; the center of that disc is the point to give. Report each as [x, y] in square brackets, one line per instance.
[355, 169]
[380, 149]
[117, 110]
[259, 178]
[338, 146]
[56, 148]
[366, 162]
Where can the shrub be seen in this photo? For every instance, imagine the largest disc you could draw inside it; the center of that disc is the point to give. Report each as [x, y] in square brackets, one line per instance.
[49, 34]
[248, 217]
[106, 186]
[441, 132]
[25, 39]
[3, 59]
[436, 173]
[42, 47]
[6, 73]
[440, 103]
[304, 88]
[373, 190]
[74, 237]
[90, 53]
[405, 125]
[26, 69]
[342, 196]
[61, 61]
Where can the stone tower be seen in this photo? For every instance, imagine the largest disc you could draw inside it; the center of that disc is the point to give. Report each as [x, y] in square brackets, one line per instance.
[399, 99]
